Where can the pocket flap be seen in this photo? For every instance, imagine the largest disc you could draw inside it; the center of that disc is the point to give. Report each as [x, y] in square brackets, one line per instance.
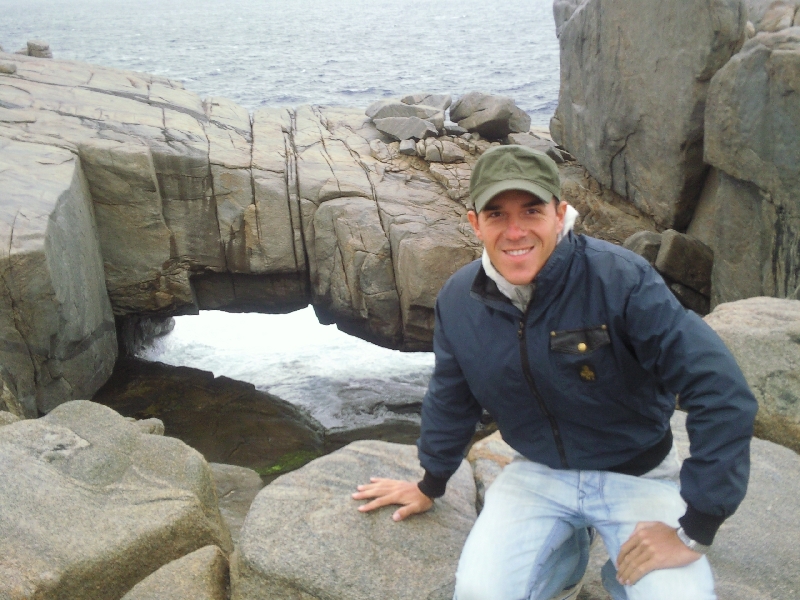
[579, 341]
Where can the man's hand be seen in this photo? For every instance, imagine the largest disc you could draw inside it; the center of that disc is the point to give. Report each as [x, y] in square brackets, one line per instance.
[653, 545]
[392, 491]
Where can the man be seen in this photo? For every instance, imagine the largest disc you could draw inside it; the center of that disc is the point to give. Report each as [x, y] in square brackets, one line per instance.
[578, 349]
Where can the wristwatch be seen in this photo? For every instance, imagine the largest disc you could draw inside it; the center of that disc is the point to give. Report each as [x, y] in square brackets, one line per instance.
[690, 543]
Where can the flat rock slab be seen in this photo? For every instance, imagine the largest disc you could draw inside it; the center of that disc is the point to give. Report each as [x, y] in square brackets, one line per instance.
[201, 575]
[304, 538]
[90, 505]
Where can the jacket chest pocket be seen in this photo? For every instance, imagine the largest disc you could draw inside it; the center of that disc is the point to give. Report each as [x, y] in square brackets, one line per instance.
[581, 353]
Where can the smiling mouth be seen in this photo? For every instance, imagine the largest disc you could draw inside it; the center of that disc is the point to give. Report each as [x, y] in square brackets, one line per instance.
[518, 252]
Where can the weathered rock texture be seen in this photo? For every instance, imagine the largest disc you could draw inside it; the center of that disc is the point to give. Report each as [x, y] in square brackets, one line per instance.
[56, 322]
[227, 421]
[90, 506]
[304, 538]
[237, 487]
[630, 106]
[772, 15]
[487, 458]
[491, 116]
[764, 336]
[749, 212]
[745, 551]
[185, 204]
[201, 575]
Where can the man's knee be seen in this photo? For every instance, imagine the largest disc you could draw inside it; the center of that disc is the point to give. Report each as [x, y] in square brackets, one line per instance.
[692, 582]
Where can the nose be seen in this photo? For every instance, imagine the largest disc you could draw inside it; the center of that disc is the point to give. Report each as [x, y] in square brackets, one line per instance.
[514, 230]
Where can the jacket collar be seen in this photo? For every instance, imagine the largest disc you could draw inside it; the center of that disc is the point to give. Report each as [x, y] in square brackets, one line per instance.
[547, 284]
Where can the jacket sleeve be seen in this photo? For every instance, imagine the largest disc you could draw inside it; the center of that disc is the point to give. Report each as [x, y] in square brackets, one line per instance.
[449, 415]
[690, 360]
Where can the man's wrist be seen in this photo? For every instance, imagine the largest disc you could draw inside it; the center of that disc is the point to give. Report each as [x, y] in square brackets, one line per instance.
[433, 487]
[693, 545]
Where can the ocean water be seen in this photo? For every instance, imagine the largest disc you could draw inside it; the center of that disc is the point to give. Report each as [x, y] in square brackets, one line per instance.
[292, 52]
[342, 381]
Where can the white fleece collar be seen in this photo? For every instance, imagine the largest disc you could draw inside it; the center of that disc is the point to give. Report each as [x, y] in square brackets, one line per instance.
[520, 295]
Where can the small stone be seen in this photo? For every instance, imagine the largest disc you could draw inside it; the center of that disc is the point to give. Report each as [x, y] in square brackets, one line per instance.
[39, 49]
[750, 29]
[384, 109]
[404, 128]
[532, 141]
[408, 148]
[491, 116]
[451, 128]
[8, 68]
[644, 243]
[440, 101]
[685, 260]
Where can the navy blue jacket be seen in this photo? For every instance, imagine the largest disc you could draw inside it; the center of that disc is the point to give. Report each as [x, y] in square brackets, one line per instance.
[587, 378]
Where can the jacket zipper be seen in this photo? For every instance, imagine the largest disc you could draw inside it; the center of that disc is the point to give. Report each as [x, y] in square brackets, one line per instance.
[526, 370]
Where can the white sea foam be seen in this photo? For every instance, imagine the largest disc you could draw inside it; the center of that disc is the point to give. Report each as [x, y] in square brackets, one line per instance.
[341, 380]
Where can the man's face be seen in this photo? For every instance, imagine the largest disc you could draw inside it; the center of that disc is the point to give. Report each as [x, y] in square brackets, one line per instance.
[519, 232]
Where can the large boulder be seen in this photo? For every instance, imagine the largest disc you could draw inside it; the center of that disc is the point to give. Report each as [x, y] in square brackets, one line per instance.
[304, 538]
[749, 210]
[764, 336]
[491, 116]
[90, 505]
[56, 323]
[630, 107]
[754, 555]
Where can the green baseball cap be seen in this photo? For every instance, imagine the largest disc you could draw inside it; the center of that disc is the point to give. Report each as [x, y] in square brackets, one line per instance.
[504, 168]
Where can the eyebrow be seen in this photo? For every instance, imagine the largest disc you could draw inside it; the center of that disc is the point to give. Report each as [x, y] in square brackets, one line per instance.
[535, 201]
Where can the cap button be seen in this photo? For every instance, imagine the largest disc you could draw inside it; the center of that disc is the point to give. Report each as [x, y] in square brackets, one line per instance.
[581, 347]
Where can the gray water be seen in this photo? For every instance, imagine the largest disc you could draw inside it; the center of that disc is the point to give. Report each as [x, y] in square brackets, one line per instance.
[292, 52]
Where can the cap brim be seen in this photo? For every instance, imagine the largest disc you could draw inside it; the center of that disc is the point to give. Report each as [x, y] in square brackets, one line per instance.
[510, 184]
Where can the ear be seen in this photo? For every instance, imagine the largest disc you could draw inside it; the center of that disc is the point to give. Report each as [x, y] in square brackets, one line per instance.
[473, 220]
[561, 211]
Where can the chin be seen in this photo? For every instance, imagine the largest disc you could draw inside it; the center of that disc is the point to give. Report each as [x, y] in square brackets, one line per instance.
[520, 278]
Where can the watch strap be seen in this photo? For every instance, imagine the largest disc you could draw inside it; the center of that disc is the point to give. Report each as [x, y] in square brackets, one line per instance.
[690, 543]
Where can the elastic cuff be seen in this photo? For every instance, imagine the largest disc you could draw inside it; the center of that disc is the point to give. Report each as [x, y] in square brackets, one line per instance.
[701, 527]
[432, 486]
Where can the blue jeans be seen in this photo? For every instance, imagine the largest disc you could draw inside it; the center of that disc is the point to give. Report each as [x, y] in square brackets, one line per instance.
[530, 540]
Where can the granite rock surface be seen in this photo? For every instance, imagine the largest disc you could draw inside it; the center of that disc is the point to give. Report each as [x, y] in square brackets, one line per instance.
[200, 575]
[749, 211]
[90, 505]
[764, 336]
[304, 538]
[630, 107]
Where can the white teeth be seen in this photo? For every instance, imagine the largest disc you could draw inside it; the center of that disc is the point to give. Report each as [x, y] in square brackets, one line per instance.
[517, 252]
